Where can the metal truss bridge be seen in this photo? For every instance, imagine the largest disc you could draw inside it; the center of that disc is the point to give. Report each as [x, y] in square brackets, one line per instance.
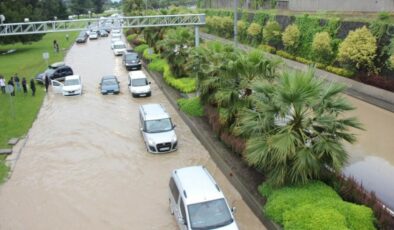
[23, 28]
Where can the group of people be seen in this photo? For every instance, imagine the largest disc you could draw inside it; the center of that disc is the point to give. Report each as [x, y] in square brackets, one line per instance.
[17, 85]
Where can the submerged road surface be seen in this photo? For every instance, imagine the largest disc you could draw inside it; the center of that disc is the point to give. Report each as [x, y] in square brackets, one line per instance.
[85, 166]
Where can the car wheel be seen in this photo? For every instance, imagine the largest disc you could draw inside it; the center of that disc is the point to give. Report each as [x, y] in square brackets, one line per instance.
[149, 94]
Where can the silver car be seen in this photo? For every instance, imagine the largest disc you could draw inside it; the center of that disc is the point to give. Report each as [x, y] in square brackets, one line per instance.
[157, 129]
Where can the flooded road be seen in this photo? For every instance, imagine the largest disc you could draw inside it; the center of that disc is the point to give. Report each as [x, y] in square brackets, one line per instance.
[372, 157]
[85, 166]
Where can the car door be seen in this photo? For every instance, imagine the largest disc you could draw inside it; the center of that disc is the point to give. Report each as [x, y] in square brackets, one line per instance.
[57, 86]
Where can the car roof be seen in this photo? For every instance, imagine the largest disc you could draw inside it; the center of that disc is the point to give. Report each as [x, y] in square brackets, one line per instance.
[154, 112]
[57, 65]
[119, 42]
[72, 77]
[137, 74]
[197, 184]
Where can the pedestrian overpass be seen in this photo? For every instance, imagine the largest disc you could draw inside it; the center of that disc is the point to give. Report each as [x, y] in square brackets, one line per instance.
[24, 28]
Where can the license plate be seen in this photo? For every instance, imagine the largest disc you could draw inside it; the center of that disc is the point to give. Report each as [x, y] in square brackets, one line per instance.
[165, 149]
[143, 94]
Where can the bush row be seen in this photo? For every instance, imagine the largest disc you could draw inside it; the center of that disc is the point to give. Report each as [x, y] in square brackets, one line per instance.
[191, 106]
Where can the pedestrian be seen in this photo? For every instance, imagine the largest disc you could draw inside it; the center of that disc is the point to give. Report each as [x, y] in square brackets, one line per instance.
[2, 84]
[24, 86]
[17, 82]
[46, 82]
[55, 45]
[67, 37]
[32, 87]
[11, 83]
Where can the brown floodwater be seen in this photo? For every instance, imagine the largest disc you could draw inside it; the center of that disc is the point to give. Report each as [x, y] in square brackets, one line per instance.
[372, 158]
[84, 165]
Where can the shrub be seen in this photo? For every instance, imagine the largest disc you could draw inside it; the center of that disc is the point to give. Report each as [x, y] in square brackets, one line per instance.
[158, 65]
[340, 71]
[184, 84]
[150, 56]
[358, 49]
[314, 206]
[303, 60]
[131, 37]
[242, 27]
[285, 54]
[141, 48]
[267, 48]
[291, 37]
[254, 31]
[226, 26]
[391, 61]
[272, 33]
[383, 16]
[321, 47]
[191, 106]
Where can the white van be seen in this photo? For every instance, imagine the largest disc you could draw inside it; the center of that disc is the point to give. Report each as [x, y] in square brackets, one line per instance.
[197, 202]
[157, 129]
[139, 84]
[119, 48]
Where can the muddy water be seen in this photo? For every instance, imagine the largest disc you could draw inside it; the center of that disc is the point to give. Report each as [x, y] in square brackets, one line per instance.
[372, 157]
[85, 165]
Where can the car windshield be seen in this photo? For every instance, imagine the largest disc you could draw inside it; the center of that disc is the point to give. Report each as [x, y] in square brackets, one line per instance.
[209, 215]
[109, 82]
[120, 46]
[131, 57]
[158, 126]
[139, 82]
[49, 71]
[70, 82]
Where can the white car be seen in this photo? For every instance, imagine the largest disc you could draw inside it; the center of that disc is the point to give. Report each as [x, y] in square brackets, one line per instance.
[119, 48]
[116, 37]
[138, 84]
[93, 35]
[72, 86]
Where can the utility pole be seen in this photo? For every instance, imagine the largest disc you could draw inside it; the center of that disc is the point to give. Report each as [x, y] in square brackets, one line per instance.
[235, 22]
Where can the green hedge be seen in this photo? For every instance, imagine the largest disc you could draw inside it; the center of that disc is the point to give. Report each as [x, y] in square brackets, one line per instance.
[314, 206]
[158, 65]
[141, 48]
[340, 71]
[150, 56]
[191, 106]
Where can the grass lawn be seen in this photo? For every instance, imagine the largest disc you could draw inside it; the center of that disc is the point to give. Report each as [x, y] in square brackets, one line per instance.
[18, 113]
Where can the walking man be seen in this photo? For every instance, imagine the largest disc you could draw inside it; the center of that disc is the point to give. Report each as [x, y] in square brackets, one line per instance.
[46, 82]
[24, 86]
[32, 87]
[11, 83]
[2, 84]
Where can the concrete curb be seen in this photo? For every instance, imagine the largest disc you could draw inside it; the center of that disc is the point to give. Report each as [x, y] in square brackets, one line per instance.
[218, 152]
[370, 94]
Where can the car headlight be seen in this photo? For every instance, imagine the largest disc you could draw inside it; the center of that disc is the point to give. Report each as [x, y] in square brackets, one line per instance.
[174, 139]
[151, 142]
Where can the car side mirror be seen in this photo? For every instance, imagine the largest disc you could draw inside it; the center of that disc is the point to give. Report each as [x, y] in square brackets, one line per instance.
[173, 126]
[233, 209]
[181, 221]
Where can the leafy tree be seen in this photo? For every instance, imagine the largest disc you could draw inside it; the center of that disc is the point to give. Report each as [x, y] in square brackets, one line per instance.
[98, 6]
[254, 32]
[80, 6]
[291, 38]
[241, 26]
[321, 47]
[272, 33]
[358, 50]
[297, 128]
[133, 7]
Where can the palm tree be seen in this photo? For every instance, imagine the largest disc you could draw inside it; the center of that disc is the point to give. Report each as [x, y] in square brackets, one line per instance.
[297, 128]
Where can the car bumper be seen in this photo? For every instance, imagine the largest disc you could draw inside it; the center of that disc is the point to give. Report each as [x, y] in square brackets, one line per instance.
[133, 66]
[163, 148]
[71, 93]
[142, 94]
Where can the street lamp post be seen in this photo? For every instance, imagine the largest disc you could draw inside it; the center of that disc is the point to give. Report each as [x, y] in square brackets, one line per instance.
[235, 22]
[2, 18]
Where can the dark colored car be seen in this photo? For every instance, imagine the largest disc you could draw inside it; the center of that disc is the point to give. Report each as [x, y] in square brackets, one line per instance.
[82, 37]
[56, 71]
[109, 84]
[131, 60]
[103, 33]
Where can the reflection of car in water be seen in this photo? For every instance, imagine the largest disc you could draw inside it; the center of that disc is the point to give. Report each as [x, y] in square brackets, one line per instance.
[56, 71]
[197, 201]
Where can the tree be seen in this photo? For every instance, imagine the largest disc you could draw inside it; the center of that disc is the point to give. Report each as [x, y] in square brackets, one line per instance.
[80, 6]
[291, 37]
[98, 6]
[133, 7]
[321, 47]
[296, 128]
[272, 33]
[358, 50]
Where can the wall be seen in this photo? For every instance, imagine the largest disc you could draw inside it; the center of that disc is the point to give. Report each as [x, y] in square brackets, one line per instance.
[341, 5]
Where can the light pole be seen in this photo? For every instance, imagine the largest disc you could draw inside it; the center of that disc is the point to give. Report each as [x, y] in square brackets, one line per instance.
[235, 22]
[2, 18]
[89, 12]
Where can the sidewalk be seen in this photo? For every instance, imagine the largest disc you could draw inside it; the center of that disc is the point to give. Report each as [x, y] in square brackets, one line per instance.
[370, 94]
[241, 176]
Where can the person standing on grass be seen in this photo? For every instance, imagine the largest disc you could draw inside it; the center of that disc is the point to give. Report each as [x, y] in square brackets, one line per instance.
[2, 84]
[11, 82]
[46, 82]
[17, 82]
[32, 87]
[24, 86]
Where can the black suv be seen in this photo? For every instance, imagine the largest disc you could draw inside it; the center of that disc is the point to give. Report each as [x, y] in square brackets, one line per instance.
[82, 37]
[56, 71]
[131, 60]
